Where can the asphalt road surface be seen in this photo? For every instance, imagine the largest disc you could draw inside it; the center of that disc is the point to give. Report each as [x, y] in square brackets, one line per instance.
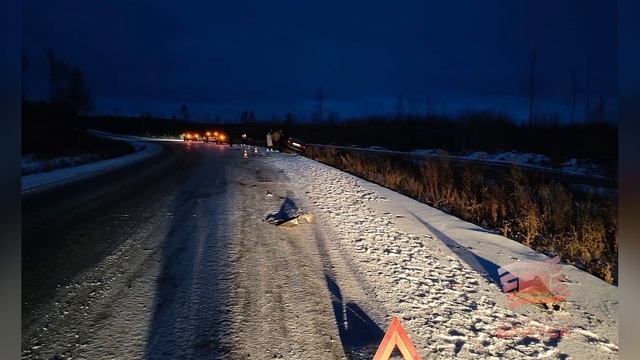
[171, 259]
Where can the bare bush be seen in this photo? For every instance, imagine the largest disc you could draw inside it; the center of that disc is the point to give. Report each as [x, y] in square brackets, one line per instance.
[546, 216]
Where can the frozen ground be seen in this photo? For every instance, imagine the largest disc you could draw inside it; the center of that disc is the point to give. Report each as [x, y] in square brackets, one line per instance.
[188, 267]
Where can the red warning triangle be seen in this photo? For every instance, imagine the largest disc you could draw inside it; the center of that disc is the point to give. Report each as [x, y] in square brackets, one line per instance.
[396, 336]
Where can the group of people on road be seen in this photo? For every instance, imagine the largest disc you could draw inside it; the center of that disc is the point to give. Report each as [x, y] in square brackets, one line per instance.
[275, 140]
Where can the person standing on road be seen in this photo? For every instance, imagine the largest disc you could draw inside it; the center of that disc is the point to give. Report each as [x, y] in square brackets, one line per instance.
[269, 141]
[276, 140]
[281, 140]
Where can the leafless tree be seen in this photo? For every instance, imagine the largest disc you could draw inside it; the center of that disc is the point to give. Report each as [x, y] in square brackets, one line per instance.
[587, 90]
[58, 76]
[24, 62]
[575, 87]
[531, 83]
[320, 98]
[598, 113]
[67, 85]
[399, 106]
[184, 111]
[429, 102]
[77, 93]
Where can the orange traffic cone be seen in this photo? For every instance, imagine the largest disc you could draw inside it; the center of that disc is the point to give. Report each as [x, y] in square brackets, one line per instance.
[245, 155]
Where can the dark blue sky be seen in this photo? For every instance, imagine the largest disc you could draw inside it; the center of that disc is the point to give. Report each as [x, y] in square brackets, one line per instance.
[224, 57]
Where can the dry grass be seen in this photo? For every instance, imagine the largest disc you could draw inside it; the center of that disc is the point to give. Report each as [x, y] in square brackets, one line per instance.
[546, 216]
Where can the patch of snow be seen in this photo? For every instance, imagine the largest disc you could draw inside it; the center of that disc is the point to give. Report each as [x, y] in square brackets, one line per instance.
[575, 166]
[517, 158]
[532, 160]
[429, 152]
[31, 165]
[44, 180]
[478, 155]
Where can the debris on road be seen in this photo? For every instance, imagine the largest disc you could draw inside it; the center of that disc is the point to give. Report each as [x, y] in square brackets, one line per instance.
[288, 214]
[293, 222]
[290, 221]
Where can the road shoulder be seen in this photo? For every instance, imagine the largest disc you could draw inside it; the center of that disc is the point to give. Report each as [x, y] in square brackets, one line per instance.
[47, 180]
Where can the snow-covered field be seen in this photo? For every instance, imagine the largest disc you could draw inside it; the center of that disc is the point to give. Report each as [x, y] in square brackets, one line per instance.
[571, 166]
[435, 272]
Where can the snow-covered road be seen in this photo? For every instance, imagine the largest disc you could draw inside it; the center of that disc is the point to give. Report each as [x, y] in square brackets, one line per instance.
[184, 265]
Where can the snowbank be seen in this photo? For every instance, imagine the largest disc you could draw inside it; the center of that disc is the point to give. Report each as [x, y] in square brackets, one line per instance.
[85, 169]
[31, 165]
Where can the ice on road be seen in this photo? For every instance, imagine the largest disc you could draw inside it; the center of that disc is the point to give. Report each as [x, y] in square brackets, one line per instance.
[189, 267]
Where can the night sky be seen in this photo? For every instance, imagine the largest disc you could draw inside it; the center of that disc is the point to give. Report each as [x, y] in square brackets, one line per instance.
[221, 58]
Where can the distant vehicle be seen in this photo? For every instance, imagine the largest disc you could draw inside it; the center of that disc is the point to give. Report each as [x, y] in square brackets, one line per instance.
[221, 138]
[208, 136]
[190, 136]
[296, 144]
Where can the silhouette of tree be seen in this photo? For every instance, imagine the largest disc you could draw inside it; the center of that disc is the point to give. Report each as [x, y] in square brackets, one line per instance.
[587, 99]
[399, 106]
[575, 86]
[289, 120]
[24, 64]
[184, 111]
[77, 94]
[598, 113]
[248, 117]
[58, 78]
[531, 83]
[67, 86]
[318, 115]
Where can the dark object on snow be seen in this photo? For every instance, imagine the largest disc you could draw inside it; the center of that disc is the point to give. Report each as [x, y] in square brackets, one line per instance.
[288, 215]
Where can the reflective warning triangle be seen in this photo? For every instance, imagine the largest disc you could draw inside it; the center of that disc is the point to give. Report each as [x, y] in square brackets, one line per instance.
[396, 336]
